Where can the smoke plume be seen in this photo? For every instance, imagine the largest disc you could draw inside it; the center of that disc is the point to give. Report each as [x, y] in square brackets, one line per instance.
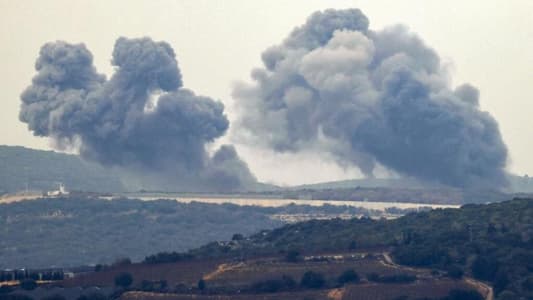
[141, 119]
[367, 98]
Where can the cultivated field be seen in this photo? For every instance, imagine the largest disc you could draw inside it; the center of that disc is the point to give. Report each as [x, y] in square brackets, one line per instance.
[232, 279]
[433, 289]
[303, 295]
[243, 273]
[187, 273]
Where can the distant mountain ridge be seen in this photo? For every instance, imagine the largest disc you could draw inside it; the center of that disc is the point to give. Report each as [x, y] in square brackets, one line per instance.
[517, 184]
[37, 170]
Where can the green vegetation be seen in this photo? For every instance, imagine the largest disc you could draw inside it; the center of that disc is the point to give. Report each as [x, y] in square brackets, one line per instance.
[313, 280]
[348, 276]
[80, 230]
[28, 284]
[123, 280]
[37, 170]
[77, 231]
[493, 243]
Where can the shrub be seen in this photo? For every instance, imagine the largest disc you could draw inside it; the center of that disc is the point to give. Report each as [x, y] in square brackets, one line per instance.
[274, 285]
[93, 296]
[237, 237]
[485, 268]
[348, 276]
[122, 262]
[5, 289]
[455, 272]
[54, 297]
[28, 284]
[312, 280]
[293, 256]
[16, 297]
[123, 280]
[201, 284]
[396, 278]
[166, 257]
[464, 295]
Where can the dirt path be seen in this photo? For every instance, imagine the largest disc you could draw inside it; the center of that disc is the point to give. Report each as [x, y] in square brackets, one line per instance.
[221, 269]
[483, 288]
[336, 294]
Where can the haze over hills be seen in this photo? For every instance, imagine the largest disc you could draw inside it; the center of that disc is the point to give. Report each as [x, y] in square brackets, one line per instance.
[22, 168]
[39, 170]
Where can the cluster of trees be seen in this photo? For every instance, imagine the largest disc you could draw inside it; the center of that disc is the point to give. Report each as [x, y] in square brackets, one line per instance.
[493, 242]
[76, 231]
[92, 296]
[317, 280]
[80, 230]
[167, 257]
[396, 278]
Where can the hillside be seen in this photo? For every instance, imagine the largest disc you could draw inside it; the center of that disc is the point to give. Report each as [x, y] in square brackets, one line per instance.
[81, 230]
[38, 170]
[491, 242]
[444, 254]
[517, 184]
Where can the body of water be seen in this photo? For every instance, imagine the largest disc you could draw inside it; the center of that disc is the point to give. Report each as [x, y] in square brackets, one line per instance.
[265, 202]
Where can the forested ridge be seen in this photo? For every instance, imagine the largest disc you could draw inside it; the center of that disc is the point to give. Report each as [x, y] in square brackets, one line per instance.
[493, 242]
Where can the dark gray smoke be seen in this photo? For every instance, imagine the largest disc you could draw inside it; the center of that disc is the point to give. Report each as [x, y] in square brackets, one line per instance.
[371, 97]
[141, 119]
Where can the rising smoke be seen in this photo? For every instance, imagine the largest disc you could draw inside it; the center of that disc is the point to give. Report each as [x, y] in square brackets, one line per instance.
[141, 120]
[367, 98]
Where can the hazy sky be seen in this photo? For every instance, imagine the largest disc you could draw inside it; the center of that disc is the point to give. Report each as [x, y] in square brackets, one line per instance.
[486, 43]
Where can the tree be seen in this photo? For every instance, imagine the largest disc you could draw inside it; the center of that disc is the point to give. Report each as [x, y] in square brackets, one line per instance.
[54, 297]
[464, 295]
[293, 256]
[201, 284]
[485, 268]
[312, 280]
[455, 272]
[93, 296]
[237, 237]
[348, 276]
[124, 261]
[123, 280]
[17, 297]
[5, 289]
[28, 284]
[352, 246]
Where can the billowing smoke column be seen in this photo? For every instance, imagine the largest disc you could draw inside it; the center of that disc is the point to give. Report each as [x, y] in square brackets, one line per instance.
[367, 98]
[141, 119]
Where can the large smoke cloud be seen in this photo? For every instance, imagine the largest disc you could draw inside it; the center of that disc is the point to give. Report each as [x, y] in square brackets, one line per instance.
[370, 97]
[141, 119]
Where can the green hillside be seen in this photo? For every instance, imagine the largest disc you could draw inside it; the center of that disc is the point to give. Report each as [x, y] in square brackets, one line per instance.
[493, 242]
[42, 170]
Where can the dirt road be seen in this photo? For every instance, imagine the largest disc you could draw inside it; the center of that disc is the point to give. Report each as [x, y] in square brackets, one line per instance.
[483, 288]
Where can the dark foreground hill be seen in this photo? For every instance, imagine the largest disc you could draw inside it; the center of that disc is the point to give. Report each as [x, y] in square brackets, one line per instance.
[493, 242]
